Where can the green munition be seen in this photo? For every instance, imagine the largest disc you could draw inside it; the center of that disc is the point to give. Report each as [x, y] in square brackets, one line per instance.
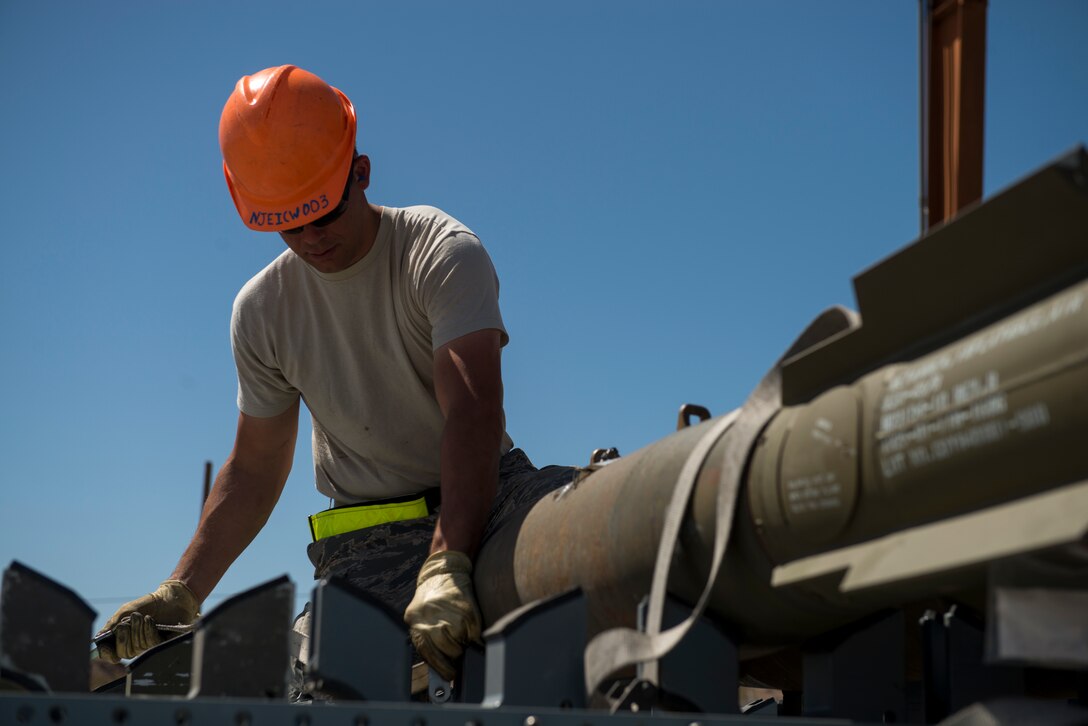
[942, 433]
[999, 415]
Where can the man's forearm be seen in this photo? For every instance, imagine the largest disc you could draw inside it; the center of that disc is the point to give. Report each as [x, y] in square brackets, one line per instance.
[237, 508]
[470, 476]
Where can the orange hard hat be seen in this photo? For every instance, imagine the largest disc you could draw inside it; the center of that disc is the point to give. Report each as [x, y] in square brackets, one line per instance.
[287, 139]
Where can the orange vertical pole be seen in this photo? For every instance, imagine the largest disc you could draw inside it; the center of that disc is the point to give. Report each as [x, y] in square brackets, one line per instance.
[955, 103]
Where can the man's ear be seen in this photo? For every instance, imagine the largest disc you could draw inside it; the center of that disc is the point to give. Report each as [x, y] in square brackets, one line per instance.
[361, 170]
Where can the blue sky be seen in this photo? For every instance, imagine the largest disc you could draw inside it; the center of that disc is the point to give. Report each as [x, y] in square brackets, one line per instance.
[669, 191]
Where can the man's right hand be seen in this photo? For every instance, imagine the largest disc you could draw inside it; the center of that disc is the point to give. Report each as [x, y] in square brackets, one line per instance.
[133, 624]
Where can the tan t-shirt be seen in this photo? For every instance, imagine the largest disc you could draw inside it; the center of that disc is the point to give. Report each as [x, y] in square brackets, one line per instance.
[358, 346]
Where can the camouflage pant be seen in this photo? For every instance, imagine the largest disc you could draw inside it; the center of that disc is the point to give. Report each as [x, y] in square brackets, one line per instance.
[383, 561]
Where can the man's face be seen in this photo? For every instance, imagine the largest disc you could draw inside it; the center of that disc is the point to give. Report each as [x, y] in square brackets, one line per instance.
[334, 246]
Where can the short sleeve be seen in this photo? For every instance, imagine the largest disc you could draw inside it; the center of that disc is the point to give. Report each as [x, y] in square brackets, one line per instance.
[263, 391]
[460, 290]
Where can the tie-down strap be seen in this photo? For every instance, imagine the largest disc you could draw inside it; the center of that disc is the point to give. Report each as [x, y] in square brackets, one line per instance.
[617, 648]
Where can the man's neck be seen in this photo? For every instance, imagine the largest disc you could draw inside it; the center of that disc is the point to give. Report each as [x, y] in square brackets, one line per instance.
[372, 221]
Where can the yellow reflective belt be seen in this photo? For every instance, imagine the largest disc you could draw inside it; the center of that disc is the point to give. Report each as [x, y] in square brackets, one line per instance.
[348, 519]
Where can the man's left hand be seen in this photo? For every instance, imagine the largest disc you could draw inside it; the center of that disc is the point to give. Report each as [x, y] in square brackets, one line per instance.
[443, 615]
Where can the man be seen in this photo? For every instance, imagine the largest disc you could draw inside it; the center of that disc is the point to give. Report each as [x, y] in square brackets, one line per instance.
[386, 321]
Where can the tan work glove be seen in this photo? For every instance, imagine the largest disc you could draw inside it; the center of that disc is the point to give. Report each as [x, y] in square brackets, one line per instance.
[171, 604]
[443, 615]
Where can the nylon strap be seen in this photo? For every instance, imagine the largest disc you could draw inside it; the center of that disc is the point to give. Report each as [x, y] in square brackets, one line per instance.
[617, 648]
[349, 519]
